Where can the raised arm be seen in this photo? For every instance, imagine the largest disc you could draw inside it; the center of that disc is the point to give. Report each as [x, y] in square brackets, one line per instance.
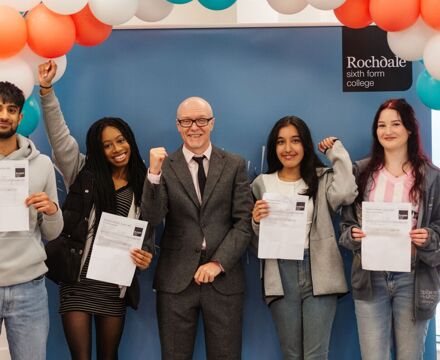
[342, 189]
[65, 149]
[154, 205]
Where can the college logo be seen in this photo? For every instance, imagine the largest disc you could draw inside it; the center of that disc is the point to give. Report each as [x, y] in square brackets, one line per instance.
[300, 206]
[403, 214]
[137, 231]
[368, 64]
[20, 172]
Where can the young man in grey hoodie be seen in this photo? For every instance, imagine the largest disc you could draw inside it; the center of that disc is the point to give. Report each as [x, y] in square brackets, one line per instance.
[23, 296]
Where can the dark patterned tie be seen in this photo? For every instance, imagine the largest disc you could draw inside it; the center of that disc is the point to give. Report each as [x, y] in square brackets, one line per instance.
[201, 173]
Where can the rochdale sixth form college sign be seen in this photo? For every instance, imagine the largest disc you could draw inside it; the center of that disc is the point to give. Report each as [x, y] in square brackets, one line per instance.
[370, 65]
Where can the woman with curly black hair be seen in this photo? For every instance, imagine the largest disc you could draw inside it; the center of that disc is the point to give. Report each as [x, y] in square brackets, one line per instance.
[108, 178]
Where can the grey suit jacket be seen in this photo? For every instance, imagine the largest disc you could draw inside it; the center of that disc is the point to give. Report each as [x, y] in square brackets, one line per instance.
[223, 219]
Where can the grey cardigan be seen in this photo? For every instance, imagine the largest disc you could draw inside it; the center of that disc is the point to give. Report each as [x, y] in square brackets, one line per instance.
[336, 187]
[427, 265]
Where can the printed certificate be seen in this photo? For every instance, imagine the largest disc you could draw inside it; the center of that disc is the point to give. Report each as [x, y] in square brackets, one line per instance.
[387, 244]
[14, 189]
[110, 260]
[283, 232]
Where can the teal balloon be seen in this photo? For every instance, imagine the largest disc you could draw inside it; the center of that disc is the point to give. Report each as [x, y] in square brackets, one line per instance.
[217, 4]
[179, 1]
[31, 117]
[428, 90]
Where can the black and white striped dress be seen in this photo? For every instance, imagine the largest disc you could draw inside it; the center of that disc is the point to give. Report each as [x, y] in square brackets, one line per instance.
[93, 296]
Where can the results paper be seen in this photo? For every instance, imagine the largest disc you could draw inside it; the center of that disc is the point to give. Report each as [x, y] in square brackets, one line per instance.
[387, 244]
[14, 189]
[283, 232]
[110, 260]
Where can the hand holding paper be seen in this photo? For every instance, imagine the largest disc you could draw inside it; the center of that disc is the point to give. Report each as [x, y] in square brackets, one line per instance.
[41, 202]
[419, 236]
[357, 234]
[141, 258]
[261, 210]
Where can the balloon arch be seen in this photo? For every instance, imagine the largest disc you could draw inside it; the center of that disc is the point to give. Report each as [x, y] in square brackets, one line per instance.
[32, 31]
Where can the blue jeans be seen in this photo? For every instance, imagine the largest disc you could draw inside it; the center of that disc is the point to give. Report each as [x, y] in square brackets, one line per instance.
[303, 321]
[24, 309]
[390, 316]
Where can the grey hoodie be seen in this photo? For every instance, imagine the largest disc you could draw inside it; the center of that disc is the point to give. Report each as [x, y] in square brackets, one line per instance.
[22, 253]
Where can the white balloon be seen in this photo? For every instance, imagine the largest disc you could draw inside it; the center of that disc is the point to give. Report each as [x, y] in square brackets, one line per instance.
[61, 67]
[30, 57]
[34, 60]
[326, 4]
[18, 72]
[287, 6]
[21, 5]
[431, 56]
[408, 44]
[65, 7]
[153, 10]
[113, 12]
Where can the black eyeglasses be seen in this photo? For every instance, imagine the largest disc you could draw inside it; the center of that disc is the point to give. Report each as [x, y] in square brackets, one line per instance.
[187, 123]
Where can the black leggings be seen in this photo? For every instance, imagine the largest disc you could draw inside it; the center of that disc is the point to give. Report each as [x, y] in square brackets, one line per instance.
[77, 327]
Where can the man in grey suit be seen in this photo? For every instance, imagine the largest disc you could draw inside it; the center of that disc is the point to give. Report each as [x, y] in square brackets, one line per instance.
[207, 211]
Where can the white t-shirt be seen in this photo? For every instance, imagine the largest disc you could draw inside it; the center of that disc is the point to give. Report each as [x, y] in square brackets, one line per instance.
[274, 184]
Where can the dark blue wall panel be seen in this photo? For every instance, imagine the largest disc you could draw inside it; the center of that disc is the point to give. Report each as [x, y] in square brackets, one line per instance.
[252, 77]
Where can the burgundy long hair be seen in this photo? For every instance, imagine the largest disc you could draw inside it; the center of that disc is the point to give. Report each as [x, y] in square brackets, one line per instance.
[416, 156]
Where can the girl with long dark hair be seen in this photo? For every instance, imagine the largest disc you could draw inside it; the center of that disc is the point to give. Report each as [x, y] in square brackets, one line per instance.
[396, 305]
[302, 294]
[108, 178]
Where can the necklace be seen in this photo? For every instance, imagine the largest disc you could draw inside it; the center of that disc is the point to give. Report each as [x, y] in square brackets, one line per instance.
[396, 172]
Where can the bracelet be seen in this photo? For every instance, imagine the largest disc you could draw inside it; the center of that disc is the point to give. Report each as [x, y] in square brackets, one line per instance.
[46, 87]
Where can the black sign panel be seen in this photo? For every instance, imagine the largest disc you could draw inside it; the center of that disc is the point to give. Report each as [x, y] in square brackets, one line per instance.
[370, 65]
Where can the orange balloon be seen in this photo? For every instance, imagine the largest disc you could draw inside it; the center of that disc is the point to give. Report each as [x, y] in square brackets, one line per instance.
[50, 35]
[354, 13]
[394, 15]
[430, 10]
[89, 30]
[13, 32]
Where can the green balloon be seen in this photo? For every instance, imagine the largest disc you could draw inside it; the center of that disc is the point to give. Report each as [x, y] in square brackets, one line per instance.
[217, 4]
[179, 1]
[31, 116]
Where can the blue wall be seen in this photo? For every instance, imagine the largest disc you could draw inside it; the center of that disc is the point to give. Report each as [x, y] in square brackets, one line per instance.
[252, 77]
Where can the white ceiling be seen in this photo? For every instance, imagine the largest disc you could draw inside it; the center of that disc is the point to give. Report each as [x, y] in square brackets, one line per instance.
[242, 13]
